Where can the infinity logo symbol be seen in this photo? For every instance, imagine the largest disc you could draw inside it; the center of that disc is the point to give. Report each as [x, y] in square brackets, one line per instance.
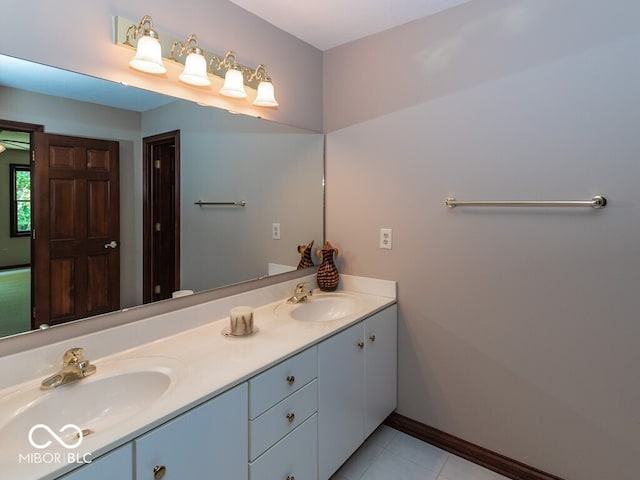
[55, 436]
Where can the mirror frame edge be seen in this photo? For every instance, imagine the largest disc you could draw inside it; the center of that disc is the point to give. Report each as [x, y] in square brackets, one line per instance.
[21, 342]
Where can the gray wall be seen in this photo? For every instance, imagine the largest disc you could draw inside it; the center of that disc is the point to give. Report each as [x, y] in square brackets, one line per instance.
[78, 36]
[518, 328]
[13, 250]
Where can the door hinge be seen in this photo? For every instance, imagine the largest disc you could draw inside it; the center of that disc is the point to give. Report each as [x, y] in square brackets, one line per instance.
[157, 226]
[156, 289]
[33, 233]
[33, 312]
[33, 156]
[156, 163]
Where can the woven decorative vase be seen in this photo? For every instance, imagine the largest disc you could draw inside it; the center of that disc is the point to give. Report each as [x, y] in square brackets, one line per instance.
[305, 260]
[328, 276]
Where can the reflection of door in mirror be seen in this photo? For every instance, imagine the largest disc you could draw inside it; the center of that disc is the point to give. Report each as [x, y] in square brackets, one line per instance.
[76, 226]
[161, 216]
[15, 226]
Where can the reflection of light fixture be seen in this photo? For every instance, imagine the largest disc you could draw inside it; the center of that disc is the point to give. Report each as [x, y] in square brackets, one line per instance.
[266, 96]
[195, 65]
[2, 148]
[149, 52]
[233, 80]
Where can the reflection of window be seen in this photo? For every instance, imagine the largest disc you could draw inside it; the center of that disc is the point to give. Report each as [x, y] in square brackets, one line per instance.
[20, 200]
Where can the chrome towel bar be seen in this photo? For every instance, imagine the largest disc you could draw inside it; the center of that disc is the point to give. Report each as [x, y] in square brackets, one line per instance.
[241, 203]
[596, 202]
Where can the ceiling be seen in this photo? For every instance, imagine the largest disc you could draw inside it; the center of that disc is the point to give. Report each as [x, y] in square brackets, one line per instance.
[328, 23]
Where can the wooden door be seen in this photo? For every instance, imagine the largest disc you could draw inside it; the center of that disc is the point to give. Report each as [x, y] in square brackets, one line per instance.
[161, 216]
[76, 228]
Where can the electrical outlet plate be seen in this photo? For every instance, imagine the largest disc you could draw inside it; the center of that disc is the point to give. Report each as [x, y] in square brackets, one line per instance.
[275, 231]
[386, 238]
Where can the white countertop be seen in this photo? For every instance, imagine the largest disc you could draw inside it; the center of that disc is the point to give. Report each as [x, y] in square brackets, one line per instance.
[209, 362]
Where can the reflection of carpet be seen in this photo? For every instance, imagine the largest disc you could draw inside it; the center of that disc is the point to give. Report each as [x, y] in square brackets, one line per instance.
[15, 301]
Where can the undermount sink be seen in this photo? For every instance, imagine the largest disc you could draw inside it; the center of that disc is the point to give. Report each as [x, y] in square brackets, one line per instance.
[322, 307]
[118, 390]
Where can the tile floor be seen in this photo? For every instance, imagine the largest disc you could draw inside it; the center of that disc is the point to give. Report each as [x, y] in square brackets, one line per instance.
[392, 455]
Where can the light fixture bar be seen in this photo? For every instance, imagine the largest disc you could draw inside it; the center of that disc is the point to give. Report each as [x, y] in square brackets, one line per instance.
[216, 67]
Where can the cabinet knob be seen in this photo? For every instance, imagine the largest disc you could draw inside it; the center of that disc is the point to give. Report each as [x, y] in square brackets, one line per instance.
[291, 379]
[372, 338]
[159, 472]
[291, 417]
[361, 345]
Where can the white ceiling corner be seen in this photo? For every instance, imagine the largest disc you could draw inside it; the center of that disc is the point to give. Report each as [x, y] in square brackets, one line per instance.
[328, 23]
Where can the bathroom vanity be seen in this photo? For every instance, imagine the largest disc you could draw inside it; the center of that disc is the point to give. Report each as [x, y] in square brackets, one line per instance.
[292, 401]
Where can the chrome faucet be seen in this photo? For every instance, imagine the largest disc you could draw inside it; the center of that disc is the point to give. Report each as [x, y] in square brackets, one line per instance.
[73, 369]
[301, 293]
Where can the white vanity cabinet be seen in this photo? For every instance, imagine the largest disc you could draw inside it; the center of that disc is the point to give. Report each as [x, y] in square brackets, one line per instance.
[283, 401]
[117, 464]
[206, 443]
[357, 372]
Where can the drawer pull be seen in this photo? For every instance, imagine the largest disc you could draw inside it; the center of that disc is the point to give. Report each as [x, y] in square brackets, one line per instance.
[291, 379]
[372, 338]
[159, 472]
[361, 345]
[291, 417]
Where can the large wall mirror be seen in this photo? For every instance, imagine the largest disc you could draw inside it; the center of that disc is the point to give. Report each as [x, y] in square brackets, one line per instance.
[276, 171]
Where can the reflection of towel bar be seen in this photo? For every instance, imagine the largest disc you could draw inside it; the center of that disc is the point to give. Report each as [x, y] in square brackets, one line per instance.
[241, 203]
[595, 202]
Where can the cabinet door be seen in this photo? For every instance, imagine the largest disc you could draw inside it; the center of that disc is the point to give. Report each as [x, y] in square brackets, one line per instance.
[114, 465]
[381, 365]
[209, 442]
[340, 398]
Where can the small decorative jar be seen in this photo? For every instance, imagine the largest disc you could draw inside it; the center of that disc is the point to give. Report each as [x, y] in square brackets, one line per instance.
[328, 276]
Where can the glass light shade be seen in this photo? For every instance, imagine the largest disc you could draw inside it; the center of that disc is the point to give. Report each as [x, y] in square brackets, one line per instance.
[233, 84]
[195, 71]
[265, 96]
[2, 148]
[148, 56]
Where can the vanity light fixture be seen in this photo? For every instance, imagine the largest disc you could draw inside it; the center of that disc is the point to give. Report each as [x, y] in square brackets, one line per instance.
[233, 80]
[236, 76]
[266, 96]
[148, 56]
[195, 65]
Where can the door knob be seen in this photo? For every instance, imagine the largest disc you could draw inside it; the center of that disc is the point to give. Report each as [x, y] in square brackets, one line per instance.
[111, 244]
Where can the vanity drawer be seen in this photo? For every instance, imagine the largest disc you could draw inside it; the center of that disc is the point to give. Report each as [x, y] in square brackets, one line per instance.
[268, 388]
[295, 456]
[282, 418]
